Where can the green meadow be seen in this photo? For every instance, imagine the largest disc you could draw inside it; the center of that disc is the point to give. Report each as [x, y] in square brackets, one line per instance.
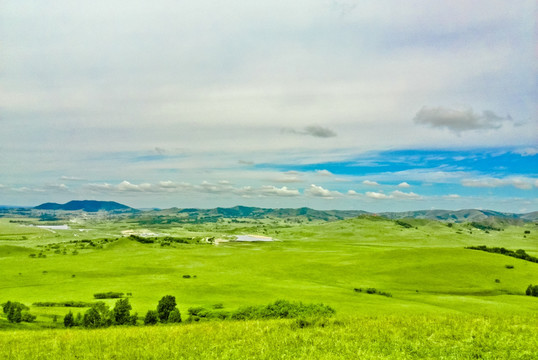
[444, 301]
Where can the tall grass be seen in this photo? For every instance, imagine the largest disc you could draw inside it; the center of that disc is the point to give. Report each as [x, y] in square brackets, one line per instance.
[383, 337]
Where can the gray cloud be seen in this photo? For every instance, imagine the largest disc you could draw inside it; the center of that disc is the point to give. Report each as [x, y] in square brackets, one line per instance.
[458, 120]
[315, 131]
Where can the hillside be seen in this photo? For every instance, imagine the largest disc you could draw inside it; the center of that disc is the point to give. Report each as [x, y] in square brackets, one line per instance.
[85, 205]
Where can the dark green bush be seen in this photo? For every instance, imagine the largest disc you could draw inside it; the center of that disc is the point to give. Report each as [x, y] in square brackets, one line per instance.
[165, 307]
[99, 315]
[532, 290]
[69, 320]
[151, 318]
[282, 309]
[108, 295]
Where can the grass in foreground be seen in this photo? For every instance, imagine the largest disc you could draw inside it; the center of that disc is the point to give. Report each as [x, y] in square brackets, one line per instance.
[382, 337]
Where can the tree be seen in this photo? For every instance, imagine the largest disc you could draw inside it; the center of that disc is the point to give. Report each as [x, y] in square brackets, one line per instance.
[78, 320]
[133, 319]
[151, 318]
[122, 311]
[99, 315]
[69, 320]
[165, 307]
[175, 316]
[17, 312]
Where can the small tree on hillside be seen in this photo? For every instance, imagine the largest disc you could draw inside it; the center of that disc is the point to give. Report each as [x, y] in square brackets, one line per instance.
[175, 316]
[165, 307]
[17, 312]
[99, 315]
[69, 320]
[151, 318]
[122, 311]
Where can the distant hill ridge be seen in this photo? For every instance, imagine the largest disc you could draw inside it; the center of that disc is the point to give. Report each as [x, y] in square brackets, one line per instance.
[85, 205]
[465, 215]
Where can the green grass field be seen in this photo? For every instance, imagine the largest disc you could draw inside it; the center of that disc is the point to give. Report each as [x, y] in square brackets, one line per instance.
[446, 301]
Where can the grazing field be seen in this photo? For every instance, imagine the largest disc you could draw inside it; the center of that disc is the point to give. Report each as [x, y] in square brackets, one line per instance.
[390, 337]
[441, 300]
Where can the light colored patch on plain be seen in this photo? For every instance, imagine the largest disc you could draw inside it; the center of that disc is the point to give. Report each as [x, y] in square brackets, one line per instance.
[53, 227]
[141, 232]
[252, 238]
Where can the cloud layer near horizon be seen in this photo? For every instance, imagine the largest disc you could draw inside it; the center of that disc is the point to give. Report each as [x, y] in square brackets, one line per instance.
[107, 91]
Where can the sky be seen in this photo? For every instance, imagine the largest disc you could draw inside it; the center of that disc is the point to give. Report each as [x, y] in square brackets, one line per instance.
[376, 105]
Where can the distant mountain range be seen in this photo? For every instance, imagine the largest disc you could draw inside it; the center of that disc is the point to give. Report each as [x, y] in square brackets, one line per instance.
[85, 205]
[468, 215]
[332, 215]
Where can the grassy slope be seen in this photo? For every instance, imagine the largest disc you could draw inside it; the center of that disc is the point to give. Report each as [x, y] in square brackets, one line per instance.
[384, 337]
[458, 311]
[316, 263]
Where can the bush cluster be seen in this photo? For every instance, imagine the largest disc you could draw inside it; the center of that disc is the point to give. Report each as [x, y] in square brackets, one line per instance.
[167, 312]
[17, 312]
[108, 295]
[282, 309]
[63, 304]
[532, 290]
[519, 254]
[373, 291]
[100, 315]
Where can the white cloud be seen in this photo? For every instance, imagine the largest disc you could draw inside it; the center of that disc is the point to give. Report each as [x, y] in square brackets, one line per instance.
[353, 193]
[404, 185]
[370, 183]
[403, 195]
[289, 177]
[274, 191]
[71, 178]
[529, 151]
[394, 195]
[318, 191]
[452, 196]
[377, 195]
[324, 173]
[523, 183]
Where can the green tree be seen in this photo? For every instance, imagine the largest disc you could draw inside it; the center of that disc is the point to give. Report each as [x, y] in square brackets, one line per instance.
[122, 311]
[133, 319]
[175, 316]
[151, 318]
[99, 315]
[69, 320]
[17, 312]
[165, 307]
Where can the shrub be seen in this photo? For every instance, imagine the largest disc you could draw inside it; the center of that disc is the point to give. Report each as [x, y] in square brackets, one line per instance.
[69, 320]
[108, 295]
[532, 290]
[281, 309]
[175, 316]
[151, 318]
[17, 312]
[122, 311]
[133, 319]
[165, 307]
[99, 315]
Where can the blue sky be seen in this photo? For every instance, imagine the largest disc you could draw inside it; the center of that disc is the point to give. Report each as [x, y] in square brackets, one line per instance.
[332, 104]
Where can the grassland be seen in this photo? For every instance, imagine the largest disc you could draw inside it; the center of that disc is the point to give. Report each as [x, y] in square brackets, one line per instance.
[447, 301]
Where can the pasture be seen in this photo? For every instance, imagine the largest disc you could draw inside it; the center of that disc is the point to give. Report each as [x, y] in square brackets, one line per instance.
[431, 277]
